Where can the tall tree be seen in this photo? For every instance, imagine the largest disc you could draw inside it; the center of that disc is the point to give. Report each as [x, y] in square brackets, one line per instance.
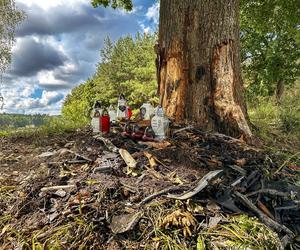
[270, 38]
[198, 64]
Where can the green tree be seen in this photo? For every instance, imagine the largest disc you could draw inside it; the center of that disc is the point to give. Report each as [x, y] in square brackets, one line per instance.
[10, 17]
[270, 41]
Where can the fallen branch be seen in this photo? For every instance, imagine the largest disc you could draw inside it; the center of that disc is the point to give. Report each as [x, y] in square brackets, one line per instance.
[69, 162]
[265, 219]
[200, 186]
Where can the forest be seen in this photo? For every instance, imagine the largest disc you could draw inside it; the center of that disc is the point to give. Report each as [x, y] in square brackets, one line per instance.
[14, 121]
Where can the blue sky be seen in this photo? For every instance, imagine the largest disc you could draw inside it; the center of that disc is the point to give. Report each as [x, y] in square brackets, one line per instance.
[57, 47]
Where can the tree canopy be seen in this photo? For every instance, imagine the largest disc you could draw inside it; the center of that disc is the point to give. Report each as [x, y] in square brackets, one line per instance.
[270, 42]
[124, 4]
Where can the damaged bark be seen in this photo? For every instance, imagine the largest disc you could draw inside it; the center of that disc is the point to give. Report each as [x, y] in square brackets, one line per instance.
[199, 65]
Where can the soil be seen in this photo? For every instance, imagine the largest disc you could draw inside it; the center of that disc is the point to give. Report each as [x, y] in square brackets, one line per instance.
[29, 164]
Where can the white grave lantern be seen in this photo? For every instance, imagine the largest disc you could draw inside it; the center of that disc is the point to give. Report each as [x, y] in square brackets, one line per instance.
[122, 106]
[146, 111]
[97, 107]
[95, 123]
[96, 114]
[112, 114]
[160, 124]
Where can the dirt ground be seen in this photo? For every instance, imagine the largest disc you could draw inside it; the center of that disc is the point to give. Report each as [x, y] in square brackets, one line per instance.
[72, 190]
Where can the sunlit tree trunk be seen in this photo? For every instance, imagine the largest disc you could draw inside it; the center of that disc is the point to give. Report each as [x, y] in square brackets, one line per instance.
[199, 65]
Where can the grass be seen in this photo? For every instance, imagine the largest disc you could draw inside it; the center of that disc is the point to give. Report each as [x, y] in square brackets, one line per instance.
[278, 124]
[234, 232]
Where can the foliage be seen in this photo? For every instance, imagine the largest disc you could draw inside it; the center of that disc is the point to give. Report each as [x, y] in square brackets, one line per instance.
[270, 42]
[125, 4]
[19, 121]
[277, 121]
[289, 111]
[127, 66]
[78, 103]
[10, 17]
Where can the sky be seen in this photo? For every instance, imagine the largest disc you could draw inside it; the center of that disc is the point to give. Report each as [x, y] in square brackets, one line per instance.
[58, 46]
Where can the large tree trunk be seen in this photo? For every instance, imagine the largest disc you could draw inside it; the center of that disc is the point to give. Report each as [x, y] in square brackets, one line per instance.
[199, 65]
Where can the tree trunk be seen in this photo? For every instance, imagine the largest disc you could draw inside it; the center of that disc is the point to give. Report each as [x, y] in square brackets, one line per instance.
[279, 91]
[198, 64]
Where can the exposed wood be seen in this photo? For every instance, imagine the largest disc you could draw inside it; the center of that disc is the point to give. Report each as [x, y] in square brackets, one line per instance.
[129, 160]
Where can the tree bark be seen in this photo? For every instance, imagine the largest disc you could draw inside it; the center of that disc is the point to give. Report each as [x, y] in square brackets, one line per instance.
[279, 91]
[198, 65]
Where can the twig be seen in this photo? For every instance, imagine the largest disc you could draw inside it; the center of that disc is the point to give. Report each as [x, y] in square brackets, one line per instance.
[182, 129]
[130, 188]
[285, 162]
[164, 191]
[274, 192]
[265, 209]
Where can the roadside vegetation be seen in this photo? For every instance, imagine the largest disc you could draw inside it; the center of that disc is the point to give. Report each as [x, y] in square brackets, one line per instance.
[36, 125]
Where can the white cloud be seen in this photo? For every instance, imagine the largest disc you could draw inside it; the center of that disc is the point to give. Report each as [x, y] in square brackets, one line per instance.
[153, 13]
[52, 3]
[150, 23]
[28, 90]
[145, 29]
[50, 97]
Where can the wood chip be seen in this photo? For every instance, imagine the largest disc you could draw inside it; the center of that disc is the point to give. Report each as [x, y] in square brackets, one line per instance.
[129, 160]
[152, 160]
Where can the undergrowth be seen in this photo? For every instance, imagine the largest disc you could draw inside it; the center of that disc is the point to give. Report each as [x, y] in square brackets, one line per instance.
[278, 124]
